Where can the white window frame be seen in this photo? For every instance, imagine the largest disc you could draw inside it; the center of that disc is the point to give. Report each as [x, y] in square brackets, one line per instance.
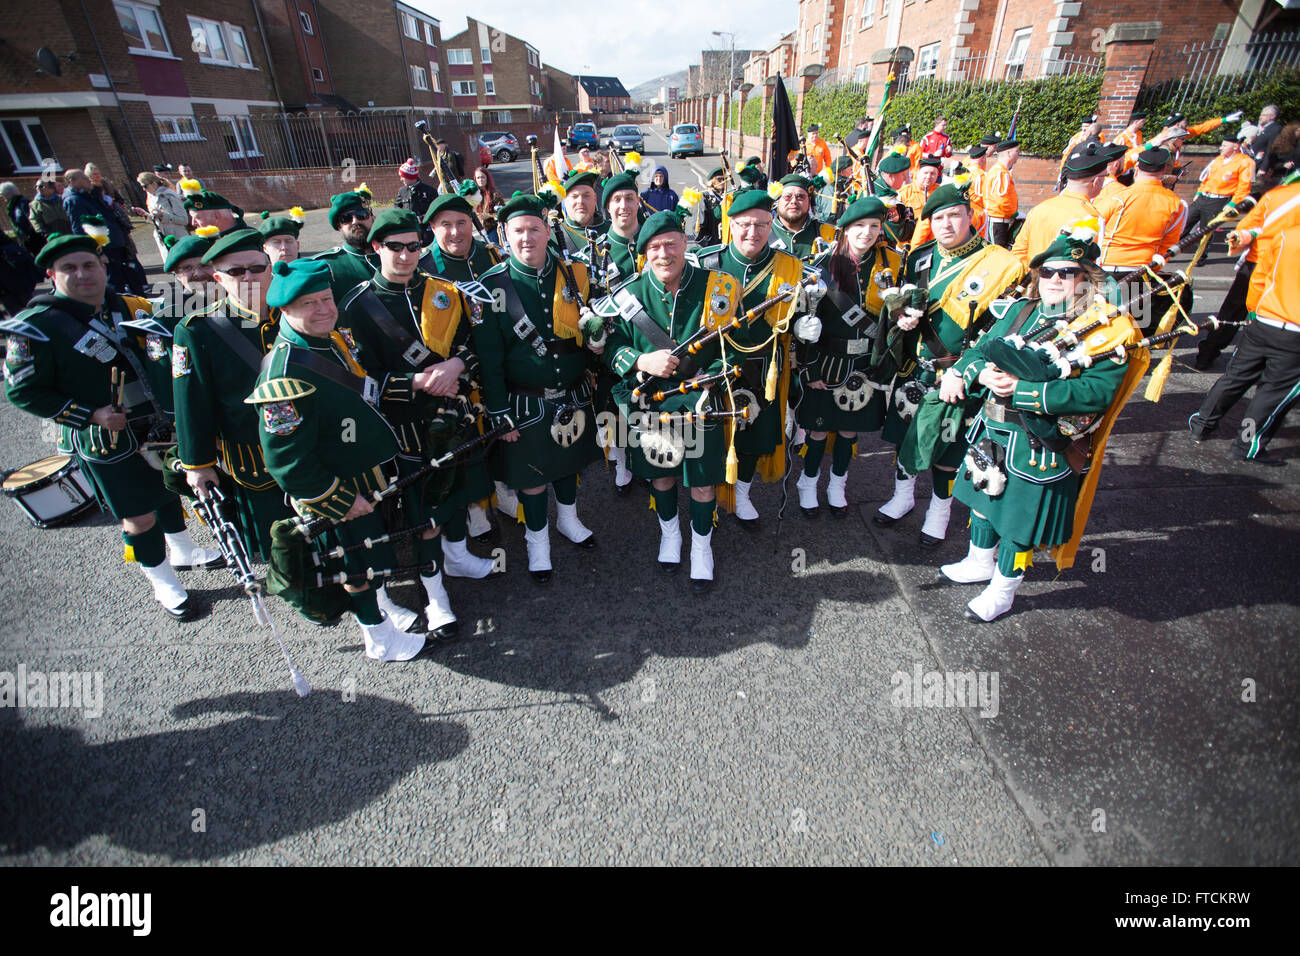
[177, 134]
[485, 54]
[933, 68]
[410, 26]
[318, 74]
[884, 9]
[454, 57]
[489, 86]
[1014, 68]
[226, 32]
[428, 34]
[27, 122]
[419, 79]
[861, 72]
[157, 14]
[232, 32]
[305, 20]
[240, 135]
[464, 88]
[848, 29]
[868, 14]
[436, 75]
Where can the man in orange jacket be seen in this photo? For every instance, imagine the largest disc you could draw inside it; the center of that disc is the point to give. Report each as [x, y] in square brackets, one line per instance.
[1224, 183]
[1000, 201]
[914, 194]
[1141, 222]
[1131, 140]
[1085, 168]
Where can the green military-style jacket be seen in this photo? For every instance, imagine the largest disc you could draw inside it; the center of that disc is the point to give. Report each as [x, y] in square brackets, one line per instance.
[348, 267]
[620, 264]
[575, 235]
[59, 360]
[210, 380]
[323, 441]
[800, 244]
[436, 262]
[679, 314]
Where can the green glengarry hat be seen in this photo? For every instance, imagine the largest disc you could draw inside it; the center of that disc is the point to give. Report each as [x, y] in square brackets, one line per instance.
[615, 184]
[582, 177]
[868, 207]
[184, 247]
[841, 163]
[346, 202]
[448, 201]
[293, 280]
[946, 195]
[747, 199]
[750, 175]
[62, 244]
[206, 199]
[392, 222]
[894, 163]
[659, 223]
[794, 179]
[237, 240]
[522, 204]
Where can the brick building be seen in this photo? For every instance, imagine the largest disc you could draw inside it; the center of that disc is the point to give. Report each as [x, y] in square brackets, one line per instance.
[776, 61]
[495, 77]
[604, 94]
[559, 90]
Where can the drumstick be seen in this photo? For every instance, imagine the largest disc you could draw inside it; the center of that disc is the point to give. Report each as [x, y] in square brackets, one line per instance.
[117, 384]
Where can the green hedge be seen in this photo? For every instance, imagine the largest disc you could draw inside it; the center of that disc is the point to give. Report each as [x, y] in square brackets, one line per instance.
[751, 116]
[1282, 88]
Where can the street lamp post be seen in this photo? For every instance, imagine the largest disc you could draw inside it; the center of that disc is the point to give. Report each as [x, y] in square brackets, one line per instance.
[731, 80]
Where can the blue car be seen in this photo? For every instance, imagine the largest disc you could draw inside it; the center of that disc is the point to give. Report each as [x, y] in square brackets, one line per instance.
[685, 139]
[583, 134]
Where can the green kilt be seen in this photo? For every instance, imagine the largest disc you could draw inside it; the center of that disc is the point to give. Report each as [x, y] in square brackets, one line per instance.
[817, 410]
[766, 433]
[705, 461]
[537, 458]
[254, 513]
[127, 488]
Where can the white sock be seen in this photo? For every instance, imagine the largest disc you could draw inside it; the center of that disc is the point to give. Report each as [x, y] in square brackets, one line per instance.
[670, 541]
[166, 588]
[438, 611]
[745, 509]
[567, 523]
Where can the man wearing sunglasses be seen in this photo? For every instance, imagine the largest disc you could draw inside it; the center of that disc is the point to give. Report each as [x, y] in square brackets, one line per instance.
[216, 354]
[350, 262]
[404, 322]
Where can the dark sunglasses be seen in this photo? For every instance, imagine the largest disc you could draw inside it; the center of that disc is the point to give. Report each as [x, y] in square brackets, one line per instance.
[237, 272]
[348, 217]
[393, 245]
[1065, 272]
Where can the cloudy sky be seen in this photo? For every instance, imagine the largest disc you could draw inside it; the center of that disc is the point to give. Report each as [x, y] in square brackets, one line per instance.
[635, 40]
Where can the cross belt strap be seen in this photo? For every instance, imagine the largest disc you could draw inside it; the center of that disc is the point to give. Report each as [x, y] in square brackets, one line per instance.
[635, 312]
[528, 333]
[364, 386]
[414, 352]
[74, 330]
[246, 351]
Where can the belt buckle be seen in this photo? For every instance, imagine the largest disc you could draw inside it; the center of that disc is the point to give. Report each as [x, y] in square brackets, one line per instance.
[415, 354]
[858, 346]
[995, 412]
[554, 394]
[370, 391]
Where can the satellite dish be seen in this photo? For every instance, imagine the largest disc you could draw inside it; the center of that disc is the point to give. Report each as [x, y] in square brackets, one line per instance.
[49, 61]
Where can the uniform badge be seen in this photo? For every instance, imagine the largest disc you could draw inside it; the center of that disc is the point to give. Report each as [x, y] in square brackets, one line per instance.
[181, 361]
[1076, 252]
[154, 347]
[441, 300]
[974, 286]
[20, 351]
[280, 418]
[350, 342]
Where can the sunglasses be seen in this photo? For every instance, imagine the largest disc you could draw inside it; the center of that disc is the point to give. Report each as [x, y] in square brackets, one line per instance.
[1065, 272]
[237, 272]
[350, 217]
[395, 246]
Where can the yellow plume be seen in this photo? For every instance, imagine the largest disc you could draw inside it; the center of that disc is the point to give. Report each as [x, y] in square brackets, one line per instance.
[632, 159]
[188, 186]
[296, 214]
[774, 190]
[364, 190]
[206, 231]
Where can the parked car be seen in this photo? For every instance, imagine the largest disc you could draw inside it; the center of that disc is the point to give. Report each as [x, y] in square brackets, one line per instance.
[583, 134]
[685, 138]
[503, 146]
[606, 136]
[627, 138]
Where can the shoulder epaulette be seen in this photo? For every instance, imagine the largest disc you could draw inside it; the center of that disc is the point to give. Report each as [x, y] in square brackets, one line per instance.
[280, 390]
[147, 324]
[496, 270]
[17, 326]
[999, 308]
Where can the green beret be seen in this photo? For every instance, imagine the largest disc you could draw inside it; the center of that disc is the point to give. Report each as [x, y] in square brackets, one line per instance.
[522, 204]
[186, 247]
[62, 244]
[894, 163]
[346, 202]
[716, 171]
[237, 240]
[1153, 159]
[1086, 160]
[391, 222]
[616, 183]
[660, 222]
[794, 179]
[293, 280]
[279, 226]
[205, 199]
[582, 177]
[747, 199]
[946, 195]
[449, 201]
[841, 163]
[750, 174]
[1067, 248]
[868, 207]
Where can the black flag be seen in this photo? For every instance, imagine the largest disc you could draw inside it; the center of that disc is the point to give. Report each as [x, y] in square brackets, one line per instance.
[785, 134]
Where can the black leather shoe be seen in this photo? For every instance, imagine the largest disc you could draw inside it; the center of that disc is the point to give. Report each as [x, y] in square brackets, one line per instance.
[586, 544]
[218, 562]
[810, 513]
[623, 490]
[749, 524]
[701, 586]
[1264, 460]
[882, 520]
[187, 610]
[443, 635]
[928, 542]
[840, 513]
[1203, 363]
[541, 577]
[669, 567]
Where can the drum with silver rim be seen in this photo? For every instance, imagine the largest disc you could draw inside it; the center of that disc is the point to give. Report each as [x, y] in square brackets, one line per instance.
[51, 492]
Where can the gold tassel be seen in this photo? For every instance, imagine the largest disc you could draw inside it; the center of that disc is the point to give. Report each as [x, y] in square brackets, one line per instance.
[1156, 387]
[128, 555]
[733, 464]
[652, 504]
[769, 387]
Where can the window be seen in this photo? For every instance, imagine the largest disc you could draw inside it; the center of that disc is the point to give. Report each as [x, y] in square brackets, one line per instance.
[410, 26]
[240, 142]
[1017, 53]
[860, 73]
[318, 74]
[484, 55]
[437, 78]
[927, 60]
[848, 30]
[884, 8]
[464, 88]
[208, 41]
[428, 34]
[419, 79]
[29, 150]
[176, 129]
[489, 86]
[239, 47]
[500, 116]
[143, 29]
[460, 58]
[305, 20]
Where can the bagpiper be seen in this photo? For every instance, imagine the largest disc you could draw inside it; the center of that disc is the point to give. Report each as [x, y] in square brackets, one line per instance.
[795, 229]
[351, 261]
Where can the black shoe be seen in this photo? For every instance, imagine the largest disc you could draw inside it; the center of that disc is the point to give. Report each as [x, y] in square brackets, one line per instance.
[882, 520]
[669, 567]
[218, 562]
[623, 490]
[586, 544]
[187, 610]
[1264, 460]
[929, 542]
[443, 635]
[541, 577]
[749, 525]
[810, 513]
[701, 586]
[1203, 363]
[1198, 433]
[840, 513]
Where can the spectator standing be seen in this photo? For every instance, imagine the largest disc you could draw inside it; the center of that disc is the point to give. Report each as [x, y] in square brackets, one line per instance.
[659, 197]
[165, 208]
[46, 211]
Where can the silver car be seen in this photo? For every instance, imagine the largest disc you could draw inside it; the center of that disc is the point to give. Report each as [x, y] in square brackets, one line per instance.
[627, 138]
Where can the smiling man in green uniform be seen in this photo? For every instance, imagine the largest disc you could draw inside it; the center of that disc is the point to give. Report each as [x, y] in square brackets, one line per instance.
[350, 262]
[535, 373]
[455, 254]
[795, 229]
[63, 352]
[581, 209]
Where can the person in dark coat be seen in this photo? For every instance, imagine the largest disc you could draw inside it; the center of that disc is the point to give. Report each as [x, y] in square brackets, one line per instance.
[659, 196]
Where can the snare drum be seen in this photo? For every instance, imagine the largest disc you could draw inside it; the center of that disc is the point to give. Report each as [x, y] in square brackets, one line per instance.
[52, 491]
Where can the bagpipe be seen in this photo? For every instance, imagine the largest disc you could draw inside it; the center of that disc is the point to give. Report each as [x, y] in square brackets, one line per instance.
[726, 167]
[447, 182]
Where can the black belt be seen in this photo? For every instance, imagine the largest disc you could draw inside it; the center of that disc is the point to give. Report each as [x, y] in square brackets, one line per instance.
[834, 346]
[547, 394]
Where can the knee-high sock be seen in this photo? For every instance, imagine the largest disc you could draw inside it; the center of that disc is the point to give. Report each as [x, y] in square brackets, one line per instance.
[456, 526]
[748, 465]
[812, 458]
[982, 534]
[149, 546]
[535, 509]
[566, 490]
[171, 517]
[365, 605]
[702, 515]
[841, 455]
[430, 552]
[1013, 558]
[665, 502]
[900, 472]
[942, 482]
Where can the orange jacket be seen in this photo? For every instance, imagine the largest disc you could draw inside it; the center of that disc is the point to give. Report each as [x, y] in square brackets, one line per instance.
[1139, 223]
[1133, 142]
[819, 155]
[1111, 187]
[976, 193]
[914, 156]
[1228, 176]
[1045, 221]
[913, 196]
[1000, 201]
[1075, 140]
[1273, 287]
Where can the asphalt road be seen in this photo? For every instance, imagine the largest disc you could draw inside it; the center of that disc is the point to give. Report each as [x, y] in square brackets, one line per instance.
[614, 718]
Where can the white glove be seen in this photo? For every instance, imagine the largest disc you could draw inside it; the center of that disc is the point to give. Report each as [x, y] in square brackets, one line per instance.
[808, 328]
[1232, 117]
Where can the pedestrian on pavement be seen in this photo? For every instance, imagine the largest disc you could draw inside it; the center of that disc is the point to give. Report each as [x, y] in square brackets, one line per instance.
[164, 208]
[659, 196]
